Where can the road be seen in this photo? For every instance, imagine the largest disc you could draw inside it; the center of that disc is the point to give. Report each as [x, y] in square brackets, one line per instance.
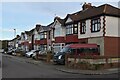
[14, 68]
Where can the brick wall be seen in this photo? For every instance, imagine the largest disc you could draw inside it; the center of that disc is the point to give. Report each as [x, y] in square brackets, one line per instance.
[112, 46]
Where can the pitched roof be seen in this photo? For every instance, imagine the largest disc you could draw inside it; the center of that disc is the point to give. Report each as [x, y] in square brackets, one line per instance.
[50, 24]
[105, 9]
[27, 32]
[62, 21]
[31, 31]
[45, 28]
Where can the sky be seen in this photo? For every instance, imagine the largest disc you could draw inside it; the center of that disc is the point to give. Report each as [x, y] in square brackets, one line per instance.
[23, 15]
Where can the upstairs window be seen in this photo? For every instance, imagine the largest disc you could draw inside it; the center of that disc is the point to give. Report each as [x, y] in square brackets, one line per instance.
[72, 29]
[43, 35]
[95, 25]
[58, 31]
[75, 29]
[69, 29]
[82, 27]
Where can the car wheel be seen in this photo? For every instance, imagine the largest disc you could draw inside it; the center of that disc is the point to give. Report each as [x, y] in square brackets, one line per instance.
[31, 55]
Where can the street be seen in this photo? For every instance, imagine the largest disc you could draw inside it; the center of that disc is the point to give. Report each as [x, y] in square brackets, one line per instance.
[16, 67]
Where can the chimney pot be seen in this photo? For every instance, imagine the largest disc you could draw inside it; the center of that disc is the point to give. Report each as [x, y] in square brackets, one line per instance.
[86, 6]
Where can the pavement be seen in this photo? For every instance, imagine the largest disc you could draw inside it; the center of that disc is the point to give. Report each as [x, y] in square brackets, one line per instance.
[69, 70]
[90, 72]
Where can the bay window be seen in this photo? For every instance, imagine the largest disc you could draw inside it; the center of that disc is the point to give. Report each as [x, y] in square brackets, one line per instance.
[69, 29]
[43, 35]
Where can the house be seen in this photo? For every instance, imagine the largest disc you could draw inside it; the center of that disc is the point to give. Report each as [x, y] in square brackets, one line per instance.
[23, 47]
[14, 43]
[100, 25]
[37, 36]
[25, 40]
[10, 44]
[43, 38]
[50, 37]
[71, 29]
[31, 39]
[59, 34]
[18, 42]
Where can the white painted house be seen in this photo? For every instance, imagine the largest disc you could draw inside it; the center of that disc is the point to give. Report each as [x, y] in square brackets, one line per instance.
[59, 34]
[100, 25]
[37, 37]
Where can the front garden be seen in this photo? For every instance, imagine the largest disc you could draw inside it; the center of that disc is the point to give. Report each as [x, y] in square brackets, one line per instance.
[91, 62]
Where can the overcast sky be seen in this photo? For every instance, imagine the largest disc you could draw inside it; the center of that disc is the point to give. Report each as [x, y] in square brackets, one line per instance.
[23, 16]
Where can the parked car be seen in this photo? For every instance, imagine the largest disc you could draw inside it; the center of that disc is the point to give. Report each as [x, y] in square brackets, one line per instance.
[10, 51]
[29, 54]
[75, 49]
[35, 54]
[14, 53]
[39, 52]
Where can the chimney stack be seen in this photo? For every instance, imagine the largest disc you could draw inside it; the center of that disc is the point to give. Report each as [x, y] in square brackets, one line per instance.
[86, 6]
[38, 25]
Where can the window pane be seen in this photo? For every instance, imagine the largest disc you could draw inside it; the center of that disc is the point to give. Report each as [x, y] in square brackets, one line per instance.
[95, 27]
[83, 27]
[72, 30]
[75, 30]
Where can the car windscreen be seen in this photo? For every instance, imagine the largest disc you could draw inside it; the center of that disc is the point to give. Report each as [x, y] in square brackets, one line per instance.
[65, 49]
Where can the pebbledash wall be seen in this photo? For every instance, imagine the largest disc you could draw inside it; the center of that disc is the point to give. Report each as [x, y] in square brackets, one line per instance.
[108, 37]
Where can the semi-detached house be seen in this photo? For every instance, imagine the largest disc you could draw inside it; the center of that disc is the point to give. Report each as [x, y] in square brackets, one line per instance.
[43, 38]
[59, 34]
[23, 41]
[50, 36]
[27, 40]
[96, 25]
[37, 37]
